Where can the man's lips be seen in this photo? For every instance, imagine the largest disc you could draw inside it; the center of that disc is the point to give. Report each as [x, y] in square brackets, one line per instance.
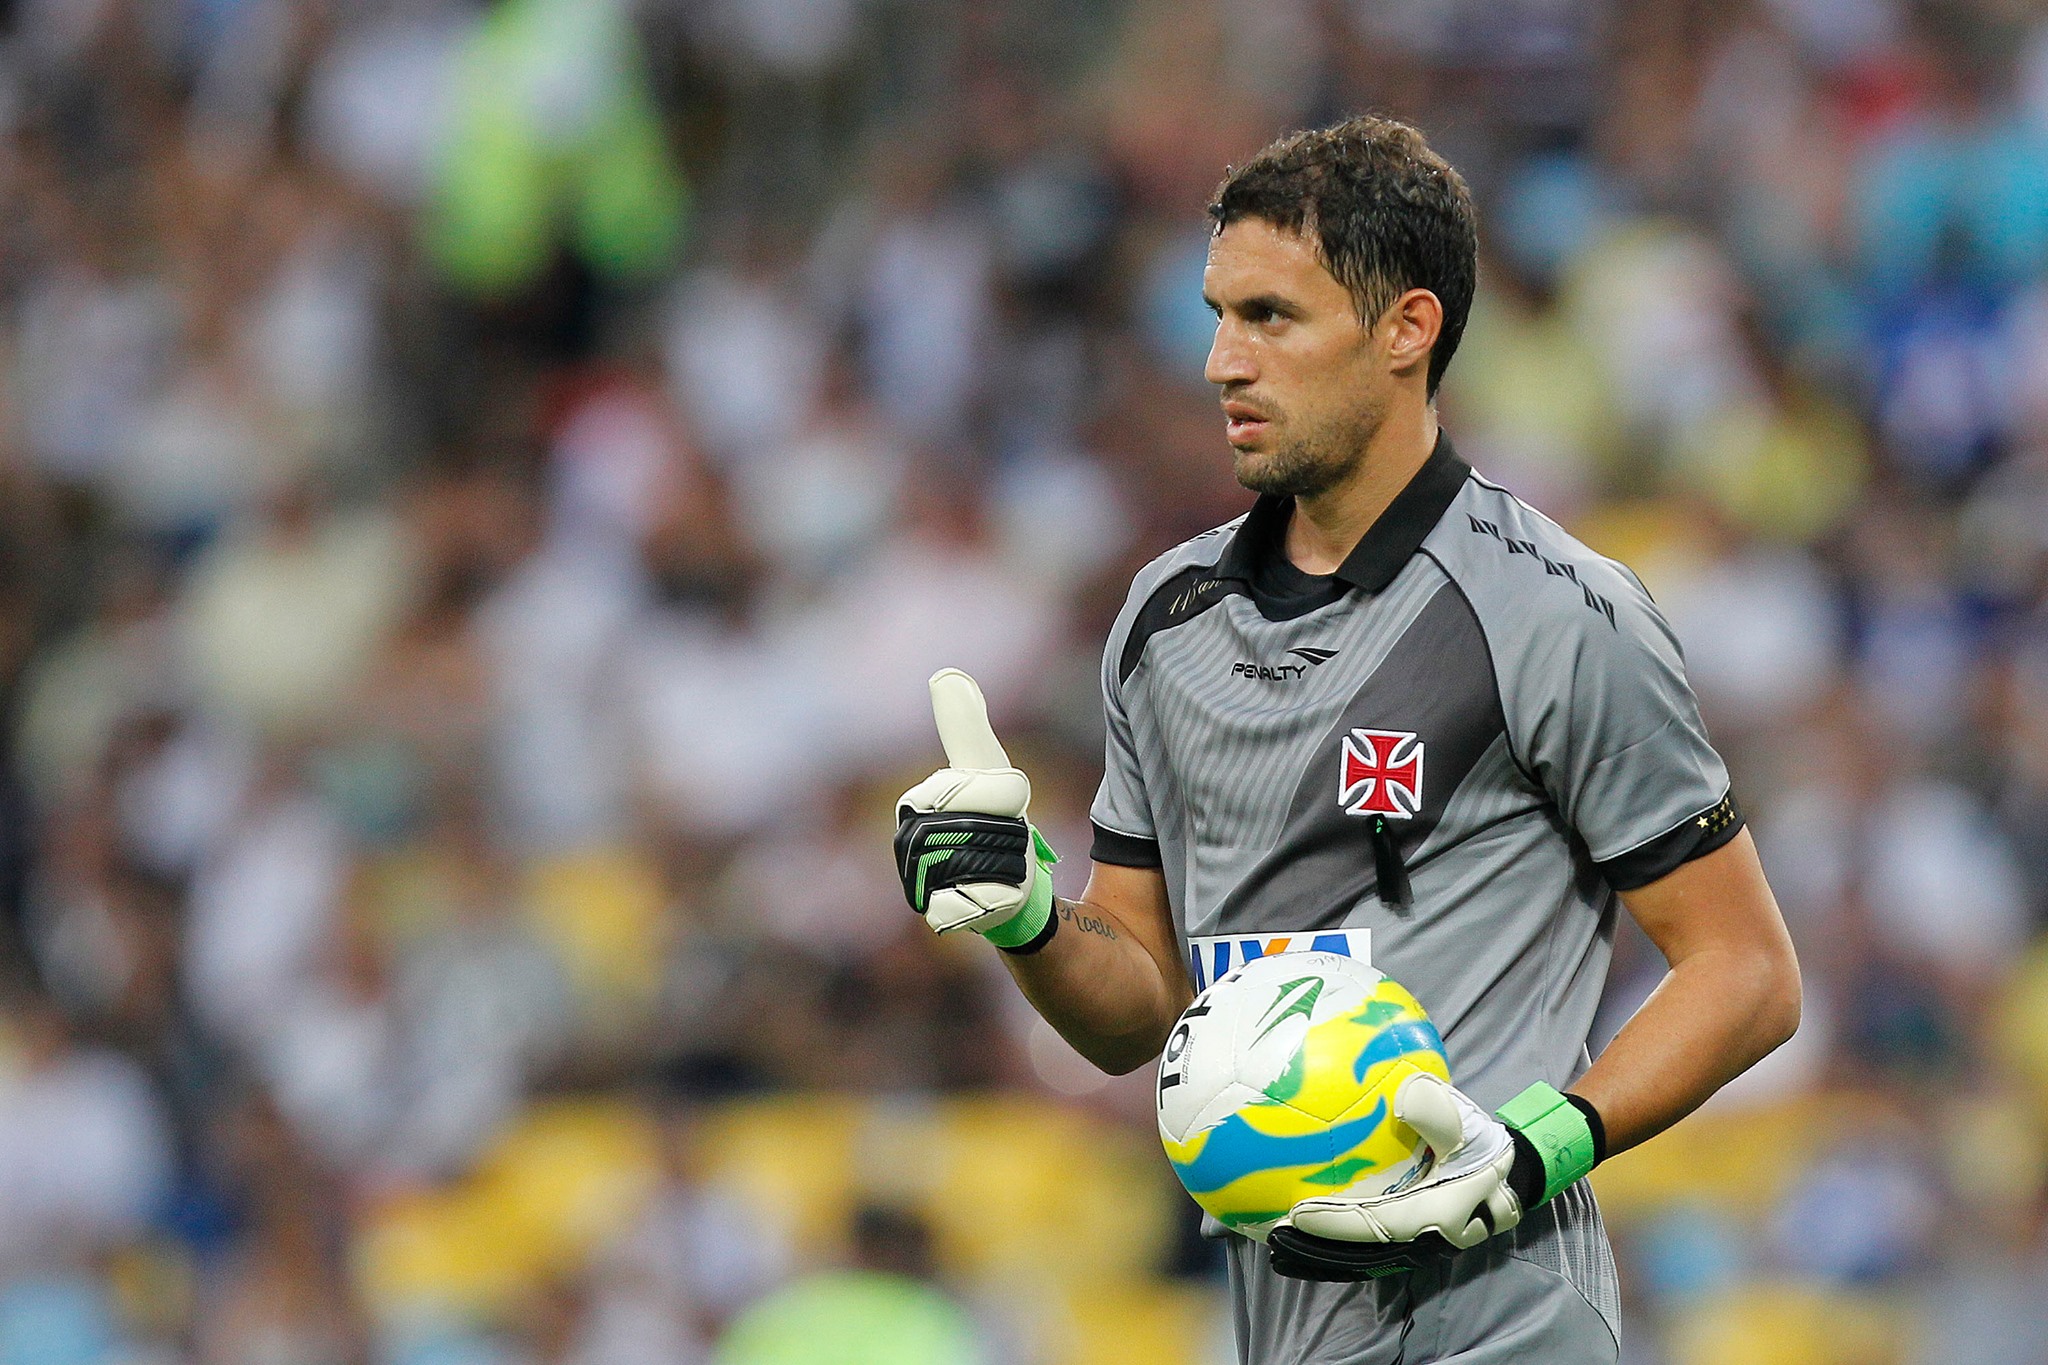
[1242, 421]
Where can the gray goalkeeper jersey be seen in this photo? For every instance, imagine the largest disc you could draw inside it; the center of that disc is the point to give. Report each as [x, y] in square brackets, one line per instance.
[1475, 705]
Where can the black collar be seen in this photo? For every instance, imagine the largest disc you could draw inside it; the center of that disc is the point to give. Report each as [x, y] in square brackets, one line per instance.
[1386, 545]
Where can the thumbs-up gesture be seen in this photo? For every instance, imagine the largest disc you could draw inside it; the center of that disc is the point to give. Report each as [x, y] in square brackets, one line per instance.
[967, 856]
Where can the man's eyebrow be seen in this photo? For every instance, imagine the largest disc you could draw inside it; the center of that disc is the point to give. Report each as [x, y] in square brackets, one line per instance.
[1257, 303]
[1269, 303]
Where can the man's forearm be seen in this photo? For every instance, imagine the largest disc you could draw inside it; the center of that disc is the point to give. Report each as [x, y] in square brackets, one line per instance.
[1101, 987]
[1714, 1015]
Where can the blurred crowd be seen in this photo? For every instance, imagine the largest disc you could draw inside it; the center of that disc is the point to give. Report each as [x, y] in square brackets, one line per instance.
[482, 486]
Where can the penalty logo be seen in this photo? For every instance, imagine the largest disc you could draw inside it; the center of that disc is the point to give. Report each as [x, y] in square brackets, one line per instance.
[1381, 774]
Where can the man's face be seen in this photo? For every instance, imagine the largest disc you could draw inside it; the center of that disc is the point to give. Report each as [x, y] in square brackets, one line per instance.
[1304, 382]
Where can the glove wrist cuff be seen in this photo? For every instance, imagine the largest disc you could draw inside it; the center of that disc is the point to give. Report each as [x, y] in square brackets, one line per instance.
[1032, 927]
[1558, 1131]
[1034, 924]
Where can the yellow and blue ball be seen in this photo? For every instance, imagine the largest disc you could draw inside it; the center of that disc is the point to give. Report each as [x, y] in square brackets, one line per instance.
[1277, 1084]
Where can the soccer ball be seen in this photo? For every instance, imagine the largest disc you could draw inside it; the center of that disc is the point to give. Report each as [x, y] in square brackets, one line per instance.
[1277, 1084]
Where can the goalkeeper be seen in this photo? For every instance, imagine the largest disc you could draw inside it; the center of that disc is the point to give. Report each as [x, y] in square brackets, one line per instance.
[1392, 702]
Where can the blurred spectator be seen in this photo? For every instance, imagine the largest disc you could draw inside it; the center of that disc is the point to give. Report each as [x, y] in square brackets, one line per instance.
[689, 1262]
[264, 906]
[283, 616]
[1761, 632]
[745, 356]
[1536, 407]
[925, 302]
[881, 1309]
[280, 1295]
[552, 133]
[84, 1148]
[94, 332]
[379, 92]
[83, 686]
[404, 1069]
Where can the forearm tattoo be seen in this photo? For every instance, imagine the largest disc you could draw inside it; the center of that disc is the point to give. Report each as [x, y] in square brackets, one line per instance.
[1083, 921]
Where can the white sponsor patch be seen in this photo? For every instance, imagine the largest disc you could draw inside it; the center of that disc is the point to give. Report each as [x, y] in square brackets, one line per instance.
[1213, 956]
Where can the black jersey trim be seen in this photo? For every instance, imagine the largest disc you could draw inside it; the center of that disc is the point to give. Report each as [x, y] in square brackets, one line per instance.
[1178, 600]
[1387, 545]
[1124, 850]
[1693, 837]
[1282, 592]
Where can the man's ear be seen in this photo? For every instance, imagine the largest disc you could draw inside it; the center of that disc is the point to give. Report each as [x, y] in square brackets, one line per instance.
[1414, 321]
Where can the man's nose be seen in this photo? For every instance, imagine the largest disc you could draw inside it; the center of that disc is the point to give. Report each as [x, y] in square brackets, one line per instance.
[1230, 359]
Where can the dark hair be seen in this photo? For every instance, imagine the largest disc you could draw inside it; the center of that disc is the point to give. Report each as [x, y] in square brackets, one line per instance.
[1387, 214]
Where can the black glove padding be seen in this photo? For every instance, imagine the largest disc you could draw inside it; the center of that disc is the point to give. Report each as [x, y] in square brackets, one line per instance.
[1304, 1256]
[938, 849]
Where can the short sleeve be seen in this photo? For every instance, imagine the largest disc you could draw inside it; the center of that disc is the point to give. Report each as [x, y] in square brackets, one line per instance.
[1614, 735]
[1122, 817]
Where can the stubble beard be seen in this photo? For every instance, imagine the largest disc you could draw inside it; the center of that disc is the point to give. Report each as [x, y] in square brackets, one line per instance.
[1314, 462]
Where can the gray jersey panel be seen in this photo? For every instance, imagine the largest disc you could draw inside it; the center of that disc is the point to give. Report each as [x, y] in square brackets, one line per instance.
[1232, 750]
[1123, 802]
[1434, 687]
[1591, 674]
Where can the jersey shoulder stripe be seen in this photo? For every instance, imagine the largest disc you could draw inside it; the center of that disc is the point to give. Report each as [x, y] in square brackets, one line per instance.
[1592, 681]
[1173, 589]
[1507, 555]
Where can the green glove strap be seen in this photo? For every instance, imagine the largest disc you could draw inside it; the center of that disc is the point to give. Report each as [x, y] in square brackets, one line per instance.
[1029, 922]
[1558, 1132]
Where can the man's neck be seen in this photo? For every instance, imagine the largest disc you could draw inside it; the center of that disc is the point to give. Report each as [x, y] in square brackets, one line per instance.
[1326, 527]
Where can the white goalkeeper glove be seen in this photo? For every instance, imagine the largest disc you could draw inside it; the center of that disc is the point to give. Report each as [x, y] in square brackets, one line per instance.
[1478, 1174]
[966, 854]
